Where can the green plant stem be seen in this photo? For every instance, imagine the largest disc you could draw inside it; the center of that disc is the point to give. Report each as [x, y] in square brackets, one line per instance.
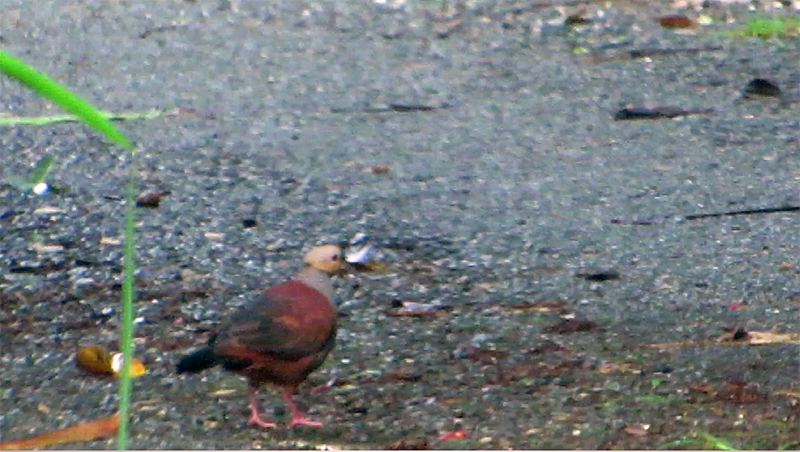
[126, 333]
[52, 90]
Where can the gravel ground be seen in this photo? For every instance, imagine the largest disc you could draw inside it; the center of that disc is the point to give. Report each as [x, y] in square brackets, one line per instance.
[475, 145]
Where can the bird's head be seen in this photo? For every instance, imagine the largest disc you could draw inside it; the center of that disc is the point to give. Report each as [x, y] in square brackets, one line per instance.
[326, 258]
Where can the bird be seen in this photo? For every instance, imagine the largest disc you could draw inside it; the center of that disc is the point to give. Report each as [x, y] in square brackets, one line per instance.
[280, 337]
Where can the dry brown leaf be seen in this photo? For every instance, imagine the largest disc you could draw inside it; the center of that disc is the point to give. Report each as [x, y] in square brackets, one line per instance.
[675, 21]
[95, 359]
[84, 431]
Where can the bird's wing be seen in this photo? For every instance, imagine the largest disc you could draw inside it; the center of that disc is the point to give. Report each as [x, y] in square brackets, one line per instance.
[288, 321]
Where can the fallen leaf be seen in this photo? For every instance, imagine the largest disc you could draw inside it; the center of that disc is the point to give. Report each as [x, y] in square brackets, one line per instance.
[96, 359]
[84, 431]
[675, 21]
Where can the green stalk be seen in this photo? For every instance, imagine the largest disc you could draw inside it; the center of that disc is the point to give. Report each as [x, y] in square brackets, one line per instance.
[52, 90]
[126, 326]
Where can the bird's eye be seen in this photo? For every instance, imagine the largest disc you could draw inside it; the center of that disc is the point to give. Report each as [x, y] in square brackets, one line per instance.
[335, 257]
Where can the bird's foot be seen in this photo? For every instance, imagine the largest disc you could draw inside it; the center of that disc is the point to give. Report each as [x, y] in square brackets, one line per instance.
[302, 420]
[255, 419]
[297, 415]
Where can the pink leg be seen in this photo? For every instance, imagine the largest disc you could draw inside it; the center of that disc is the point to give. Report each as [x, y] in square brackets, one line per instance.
[255, 419]
[297, 416]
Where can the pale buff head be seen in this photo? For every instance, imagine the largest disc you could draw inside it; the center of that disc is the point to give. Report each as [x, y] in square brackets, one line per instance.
[326, 258]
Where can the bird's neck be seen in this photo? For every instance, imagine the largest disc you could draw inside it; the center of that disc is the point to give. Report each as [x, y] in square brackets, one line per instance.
[316, 279]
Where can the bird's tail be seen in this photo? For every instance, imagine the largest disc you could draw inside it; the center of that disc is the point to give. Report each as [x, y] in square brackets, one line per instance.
[197, 361]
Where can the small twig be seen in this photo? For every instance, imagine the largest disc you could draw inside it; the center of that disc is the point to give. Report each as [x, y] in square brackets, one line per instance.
[698, 216]
[392, 108]
[742, 212]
